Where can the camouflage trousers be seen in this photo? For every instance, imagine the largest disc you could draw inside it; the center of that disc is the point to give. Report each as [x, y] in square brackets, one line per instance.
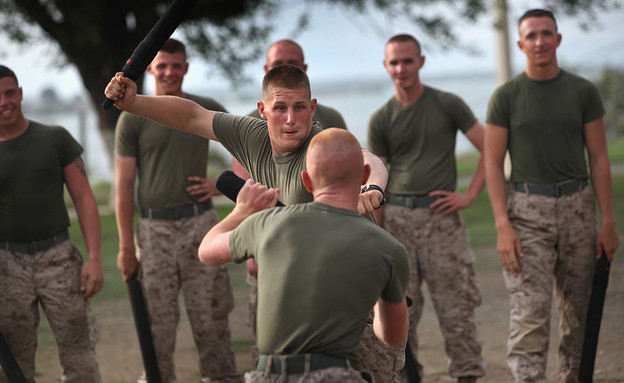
[558, 239]
[440, 254]
[252, 315]
[383, 363]
[167, 251]
[326, 375]
[50, 278]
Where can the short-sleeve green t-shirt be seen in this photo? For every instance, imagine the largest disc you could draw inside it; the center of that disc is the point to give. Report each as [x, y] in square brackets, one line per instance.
[247, 139]
[418, 141]
[165, 157]
[320, 271]
[32, 183]
[546, 120]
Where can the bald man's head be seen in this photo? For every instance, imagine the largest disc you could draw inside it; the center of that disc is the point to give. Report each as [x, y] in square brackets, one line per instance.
[284, 52]
[335, 159]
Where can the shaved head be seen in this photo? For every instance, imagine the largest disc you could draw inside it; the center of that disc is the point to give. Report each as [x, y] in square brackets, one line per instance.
[335, 159]
[284, 52]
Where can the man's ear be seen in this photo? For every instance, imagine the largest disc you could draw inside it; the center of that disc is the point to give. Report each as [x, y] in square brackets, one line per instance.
[366, 174]
[307, 181]
[260, 107]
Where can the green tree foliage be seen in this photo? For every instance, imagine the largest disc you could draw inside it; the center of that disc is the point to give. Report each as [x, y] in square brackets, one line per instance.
[611, 88]
[97, 36]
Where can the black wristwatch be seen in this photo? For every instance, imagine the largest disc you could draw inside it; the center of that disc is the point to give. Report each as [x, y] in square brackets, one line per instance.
[375, 187]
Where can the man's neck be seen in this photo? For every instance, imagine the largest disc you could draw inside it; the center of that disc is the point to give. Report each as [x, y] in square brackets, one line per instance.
[341, 199]
[542, 73]
[9, 132]
[407, 96]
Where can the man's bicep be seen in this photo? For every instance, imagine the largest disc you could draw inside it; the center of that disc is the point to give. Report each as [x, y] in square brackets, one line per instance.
[495, 142]
[476, 135]
[75, 176]
[595, 137]
[125, 170]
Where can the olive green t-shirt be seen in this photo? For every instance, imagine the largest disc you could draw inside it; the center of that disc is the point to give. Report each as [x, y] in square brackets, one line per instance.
[327, 117]
[320, 271]
[31, 182]
[165, 157]
[546, 121]
[247, 139]
[418, 141]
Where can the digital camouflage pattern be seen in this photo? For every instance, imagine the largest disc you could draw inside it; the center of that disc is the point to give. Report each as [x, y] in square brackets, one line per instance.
[327, 375]
[252, 315]
[167, 251]
[439, 253]
[52, 278]
[383, 363]
[558, 240]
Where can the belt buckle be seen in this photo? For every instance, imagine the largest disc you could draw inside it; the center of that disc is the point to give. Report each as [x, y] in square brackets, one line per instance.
[557, 190]
[176, 215]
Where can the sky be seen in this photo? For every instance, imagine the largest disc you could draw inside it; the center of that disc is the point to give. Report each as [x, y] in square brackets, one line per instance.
[346, 46]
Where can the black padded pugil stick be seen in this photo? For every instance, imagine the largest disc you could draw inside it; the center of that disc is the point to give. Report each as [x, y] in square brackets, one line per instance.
[147, 49]
[230, 184]
[144, 330]
[594, 317]
[9, 364]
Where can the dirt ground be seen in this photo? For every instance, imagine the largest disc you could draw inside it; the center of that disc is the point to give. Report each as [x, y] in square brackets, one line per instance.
[120, 360]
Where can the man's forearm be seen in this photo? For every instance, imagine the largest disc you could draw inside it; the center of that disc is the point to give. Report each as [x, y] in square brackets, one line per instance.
[124, 215]
[89, 220]
[601, 181]
[497, 192]
[379, 173]
[478, 181]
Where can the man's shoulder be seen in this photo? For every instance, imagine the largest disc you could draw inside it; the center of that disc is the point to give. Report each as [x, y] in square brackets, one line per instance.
[41, 129]
[36, 125]
[444, 97]
[510, 87]
[327, 110]
[386, 109]
[575, 79]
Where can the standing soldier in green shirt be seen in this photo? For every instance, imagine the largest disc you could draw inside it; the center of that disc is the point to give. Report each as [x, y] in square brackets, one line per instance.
[176, 211]
[547, 118]
[39, 264]
[414, 133]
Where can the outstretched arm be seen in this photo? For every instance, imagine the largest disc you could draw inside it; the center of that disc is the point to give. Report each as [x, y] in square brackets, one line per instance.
[253, 197]
[172, 111]
[92, 277]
